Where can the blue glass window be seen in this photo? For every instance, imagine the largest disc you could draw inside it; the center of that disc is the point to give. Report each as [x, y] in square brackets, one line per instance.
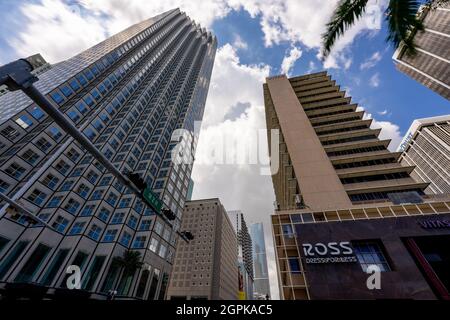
[145, 225]
[132, 222]
[66, 185]
[97, 195]
[82, 80]
[54, 202]
[139, 242]
[126, 238]
[118, 218]
[81, 106]
[96, 95]
[104, 214]
[87, 210]
[370, 253]
[72, 206]
[66, 91]
[24, 121]
[77, 228]
[112, 199]
[88, 74]
[294, 265]
[102, 89]
[95, 231]
[74, 85]
[55, 133]
[110, 235]
[95, 70]
[57, 97]
[88, 132]
[60, 224]
[37, 112]
[73, 115]
[89, 101]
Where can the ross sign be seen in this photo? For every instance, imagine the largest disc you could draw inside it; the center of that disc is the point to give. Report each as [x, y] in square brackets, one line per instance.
[434, 224]
[152, 200]
[332, 252]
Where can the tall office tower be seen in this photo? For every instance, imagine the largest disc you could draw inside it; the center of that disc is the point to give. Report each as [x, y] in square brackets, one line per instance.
[430, 65]
[206, 268]
[261, 286]
[39, 64]
[426, 146]
[333, 168]
[127, 94]
[245, 256]
[190, 189]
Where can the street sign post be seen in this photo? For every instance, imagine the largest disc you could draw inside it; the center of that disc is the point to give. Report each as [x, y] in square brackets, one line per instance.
[152, 200]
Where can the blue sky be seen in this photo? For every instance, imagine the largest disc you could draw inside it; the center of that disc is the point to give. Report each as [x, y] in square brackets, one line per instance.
[255, 37]
[397, 98]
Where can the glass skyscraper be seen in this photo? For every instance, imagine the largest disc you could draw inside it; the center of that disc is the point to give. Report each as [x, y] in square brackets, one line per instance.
[127, 94]
[261, 287]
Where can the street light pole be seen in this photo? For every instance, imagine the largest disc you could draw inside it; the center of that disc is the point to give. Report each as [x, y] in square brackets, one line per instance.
[19, 208]
[17, 76]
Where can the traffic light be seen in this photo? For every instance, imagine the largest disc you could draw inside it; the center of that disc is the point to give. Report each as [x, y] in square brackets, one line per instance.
[169, 214]
[14, 214]
[188, 235]
[137, 180]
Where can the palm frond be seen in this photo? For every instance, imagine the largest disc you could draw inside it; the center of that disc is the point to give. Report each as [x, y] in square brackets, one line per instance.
[344, 16]
[402, 22]
[130, 261]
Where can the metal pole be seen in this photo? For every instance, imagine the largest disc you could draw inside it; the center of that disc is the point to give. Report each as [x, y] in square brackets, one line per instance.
[17, 76]
[21, 209]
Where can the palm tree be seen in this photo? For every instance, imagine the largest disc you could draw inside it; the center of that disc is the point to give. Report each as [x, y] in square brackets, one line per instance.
[129, 262]
[401, 18]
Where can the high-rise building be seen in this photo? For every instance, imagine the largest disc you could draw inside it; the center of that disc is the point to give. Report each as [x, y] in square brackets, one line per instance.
[245, 256]
[206, 268]
[190, 189]
[261, 286]
[430, 65]
[344, 203]
[127, 94]
[426, 146]
[39, 64]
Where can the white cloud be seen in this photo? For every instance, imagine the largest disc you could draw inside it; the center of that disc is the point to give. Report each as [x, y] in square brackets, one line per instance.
[236, 85]
[232, 83]
[311, 67]
[56, 31]
[292, 21]
[374, 81]
[239, 43]
[289, 60]
[389, 130]
[372, 61]
[383, 113]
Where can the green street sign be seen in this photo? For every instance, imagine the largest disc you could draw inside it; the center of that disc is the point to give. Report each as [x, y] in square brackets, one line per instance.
[153, 200]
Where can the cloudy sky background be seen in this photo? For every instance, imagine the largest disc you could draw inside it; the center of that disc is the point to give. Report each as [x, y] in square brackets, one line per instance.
[257, 38]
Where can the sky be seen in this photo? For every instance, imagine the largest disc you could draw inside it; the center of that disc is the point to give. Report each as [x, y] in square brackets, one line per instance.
[256, 39]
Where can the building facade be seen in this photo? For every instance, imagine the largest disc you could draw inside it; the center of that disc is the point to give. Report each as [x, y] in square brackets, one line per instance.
[127, 94]
[430, 65]
[206, 267]
[261, 285]
[426, 146]
[333, 169]
[245, 255]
